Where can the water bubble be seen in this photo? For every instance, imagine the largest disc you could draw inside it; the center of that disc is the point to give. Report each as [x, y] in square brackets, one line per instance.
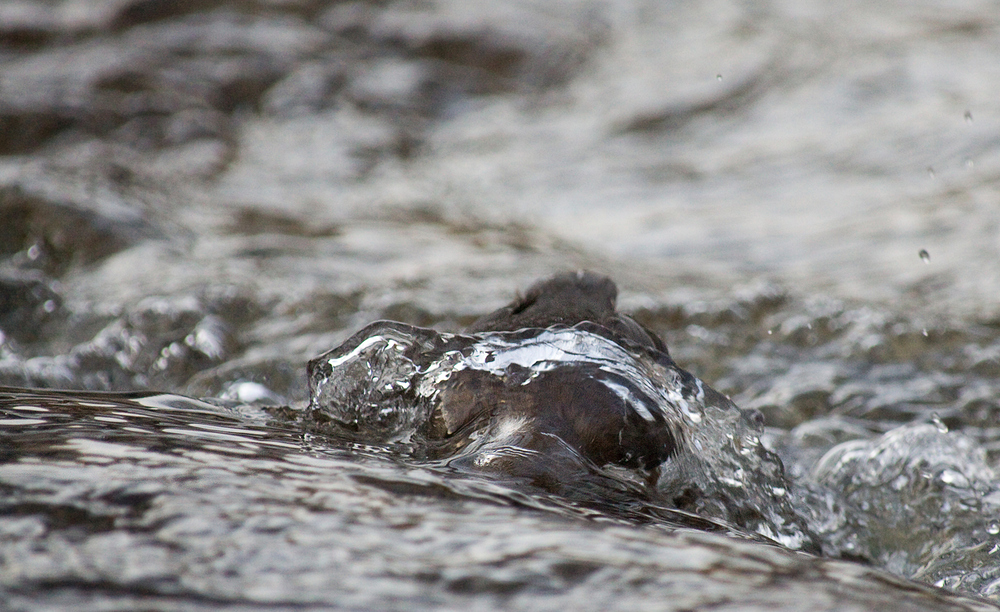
[938, 423]
[968, 116]
[930, 172]
[49, 306]
[769, 332]
[925, 256]
[969, 163]
[718, 77]
[34, 252]
[925, 333]
[993, 528]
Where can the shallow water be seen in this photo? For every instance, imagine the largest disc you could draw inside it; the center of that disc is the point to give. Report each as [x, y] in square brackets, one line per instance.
[197, 199]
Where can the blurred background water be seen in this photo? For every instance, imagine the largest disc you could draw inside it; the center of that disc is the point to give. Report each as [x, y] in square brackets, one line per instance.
[197, 197]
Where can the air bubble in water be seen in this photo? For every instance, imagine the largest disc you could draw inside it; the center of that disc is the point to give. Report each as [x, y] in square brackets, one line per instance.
[938, 423]
[968, 116]
[930, 172]
[925, 256]
[925, 333]
[993, 528]
[718, 77]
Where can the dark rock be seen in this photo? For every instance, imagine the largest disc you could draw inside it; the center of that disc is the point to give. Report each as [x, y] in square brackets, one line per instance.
[568, 299]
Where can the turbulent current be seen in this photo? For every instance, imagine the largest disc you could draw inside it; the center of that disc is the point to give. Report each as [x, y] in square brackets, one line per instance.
[249, 252]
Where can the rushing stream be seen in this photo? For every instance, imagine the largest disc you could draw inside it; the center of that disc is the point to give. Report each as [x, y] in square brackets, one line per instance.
[244, 247]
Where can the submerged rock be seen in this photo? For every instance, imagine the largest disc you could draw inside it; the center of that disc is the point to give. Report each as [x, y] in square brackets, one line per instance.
[559, 389]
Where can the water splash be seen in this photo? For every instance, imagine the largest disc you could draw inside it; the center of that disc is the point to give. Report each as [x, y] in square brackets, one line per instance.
[892, 484]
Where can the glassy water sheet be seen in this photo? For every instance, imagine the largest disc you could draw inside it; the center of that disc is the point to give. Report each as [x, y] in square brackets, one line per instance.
[568, 410]
[160, 502]
[919, 500]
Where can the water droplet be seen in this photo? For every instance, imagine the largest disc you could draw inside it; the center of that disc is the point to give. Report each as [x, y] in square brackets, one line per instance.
[994, 528]
[925, 256]
[925, 333]
[968, 116]
[49, 306]
[34, 252]
[769, 332]
[718, 77]
[969, 163]
[937, 422]
[930, 172]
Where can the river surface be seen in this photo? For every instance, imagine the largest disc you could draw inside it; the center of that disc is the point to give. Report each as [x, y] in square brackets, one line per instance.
[197, 198]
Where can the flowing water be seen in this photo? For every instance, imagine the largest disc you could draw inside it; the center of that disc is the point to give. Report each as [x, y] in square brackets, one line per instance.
[197, 199]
